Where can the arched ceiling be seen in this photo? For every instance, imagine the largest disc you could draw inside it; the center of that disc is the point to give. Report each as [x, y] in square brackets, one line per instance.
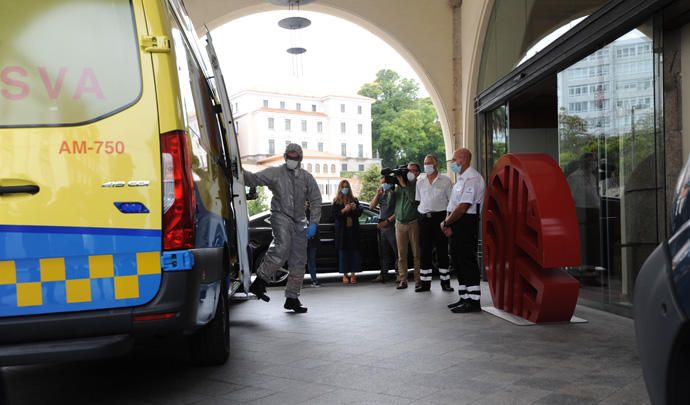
[421, 31]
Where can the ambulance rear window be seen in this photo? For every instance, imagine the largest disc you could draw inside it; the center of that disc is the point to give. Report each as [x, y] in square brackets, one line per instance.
[66, 62]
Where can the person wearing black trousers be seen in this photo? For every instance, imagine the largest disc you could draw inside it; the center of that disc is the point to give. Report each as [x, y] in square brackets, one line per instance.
[433, 193]
[462, 227]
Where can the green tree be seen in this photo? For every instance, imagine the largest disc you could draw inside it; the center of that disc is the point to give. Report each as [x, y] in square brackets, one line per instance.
[259, 204]
[404, 127]
[370, 182]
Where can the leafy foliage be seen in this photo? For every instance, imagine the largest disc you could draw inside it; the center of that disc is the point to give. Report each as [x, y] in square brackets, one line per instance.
[405, 128]
[370, 182]
[258, 205]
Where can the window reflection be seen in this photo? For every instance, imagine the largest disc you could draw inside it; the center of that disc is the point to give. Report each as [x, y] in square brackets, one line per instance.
[607, 152]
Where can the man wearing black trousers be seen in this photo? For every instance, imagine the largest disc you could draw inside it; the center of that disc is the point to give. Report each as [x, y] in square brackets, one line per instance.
[462, 227]
[433, 194]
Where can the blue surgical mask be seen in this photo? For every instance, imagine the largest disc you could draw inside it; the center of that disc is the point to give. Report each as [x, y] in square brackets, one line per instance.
[386, 186]
[345, 191]
[455, 168]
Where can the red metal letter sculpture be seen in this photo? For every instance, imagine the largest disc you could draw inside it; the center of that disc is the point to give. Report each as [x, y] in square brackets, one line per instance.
[530, 230]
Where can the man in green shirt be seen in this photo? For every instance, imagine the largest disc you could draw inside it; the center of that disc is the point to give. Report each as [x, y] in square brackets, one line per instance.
[406, 225]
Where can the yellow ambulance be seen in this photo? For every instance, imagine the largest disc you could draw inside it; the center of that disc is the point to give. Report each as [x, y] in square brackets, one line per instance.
[121, 197]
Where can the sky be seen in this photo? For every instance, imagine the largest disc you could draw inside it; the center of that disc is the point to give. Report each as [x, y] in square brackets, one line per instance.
[340, 58]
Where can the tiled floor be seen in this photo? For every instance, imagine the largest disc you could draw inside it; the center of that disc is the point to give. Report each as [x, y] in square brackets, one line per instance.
[367, 344]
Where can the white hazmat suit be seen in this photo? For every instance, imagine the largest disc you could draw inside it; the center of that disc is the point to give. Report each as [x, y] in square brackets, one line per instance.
[291, 188]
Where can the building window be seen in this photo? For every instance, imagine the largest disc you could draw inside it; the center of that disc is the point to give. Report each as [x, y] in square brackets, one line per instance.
[309, 168]
[343, 149]
[304, 145]
[318, 168]
[361, 168]
[342, 108]
[313, 107]
[304, 125]
[342, 127]
[237, 107]
[298, 107]
[319, 127]
[360, 128]
[332, 168]
[265, 103]
[270, 123]
[287, 125]
[320, 146]
[360, 150]
[325, 168]
[282, 105]
[271, 146]
[343, 167]
[359, 109]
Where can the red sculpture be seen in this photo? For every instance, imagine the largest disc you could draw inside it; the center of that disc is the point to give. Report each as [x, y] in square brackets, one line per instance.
[530, 230]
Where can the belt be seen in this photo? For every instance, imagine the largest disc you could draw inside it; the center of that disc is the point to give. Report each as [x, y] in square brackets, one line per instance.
[432, 214]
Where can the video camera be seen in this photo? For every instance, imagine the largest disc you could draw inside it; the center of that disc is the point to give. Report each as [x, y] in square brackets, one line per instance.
[390, 174]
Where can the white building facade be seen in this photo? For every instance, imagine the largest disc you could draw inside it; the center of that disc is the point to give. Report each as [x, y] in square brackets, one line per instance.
[329, 126]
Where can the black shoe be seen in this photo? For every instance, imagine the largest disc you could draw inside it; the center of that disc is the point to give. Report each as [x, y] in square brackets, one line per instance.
[456, 304]
[258, 288]
[467, 307]
[401, 285]
[295, 305]
[422, 288]
[445, 286]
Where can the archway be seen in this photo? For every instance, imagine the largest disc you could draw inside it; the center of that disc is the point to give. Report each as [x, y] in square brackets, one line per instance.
[425, 43]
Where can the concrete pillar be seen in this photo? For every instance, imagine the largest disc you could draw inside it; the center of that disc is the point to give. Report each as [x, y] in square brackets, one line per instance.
[457, 112]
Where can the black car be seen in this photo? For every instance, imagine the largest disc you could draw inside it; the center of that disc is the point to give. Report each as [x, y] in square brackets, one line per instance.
[260, 238]
[662, 307]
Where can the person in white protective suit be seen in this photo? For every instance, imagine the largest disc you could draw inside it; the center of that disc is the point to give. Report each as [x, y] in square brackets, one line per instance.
[291, 187]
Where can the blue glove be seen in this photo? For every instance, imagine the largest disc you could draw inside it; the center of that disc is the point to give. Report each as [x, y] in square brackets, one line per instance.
[311, 231]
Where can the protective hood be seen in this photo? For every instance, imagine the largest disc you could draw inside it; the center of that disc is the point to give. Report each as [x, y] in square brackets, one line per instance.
[296, 148]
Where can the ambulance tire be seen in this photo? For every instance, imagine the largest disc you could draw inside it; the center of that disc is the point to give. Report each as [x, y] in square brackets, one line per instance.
[210, 346]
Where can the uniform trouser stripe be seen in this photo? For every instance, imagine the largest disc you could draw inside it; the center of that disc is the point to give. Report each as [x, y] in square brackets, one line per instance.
[462, 290]
[474, 292]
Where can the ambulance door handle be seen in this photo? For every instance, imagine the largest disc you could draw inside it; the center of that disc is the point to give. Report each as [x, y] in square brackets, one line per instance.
[28, 189]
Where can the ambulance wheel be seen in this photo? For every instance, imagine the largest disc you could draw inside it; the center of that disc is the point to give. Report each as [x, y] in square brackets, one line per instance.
[210, 346]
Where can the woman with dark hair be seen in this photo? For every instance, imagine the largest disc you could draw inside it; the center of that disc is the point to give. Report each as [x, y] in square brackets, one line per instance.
[346, 210]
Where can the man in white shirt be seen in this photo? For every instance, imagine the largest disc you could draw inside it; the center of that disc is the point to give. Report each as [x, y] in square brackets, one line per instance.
[462, 227]
[433, 194]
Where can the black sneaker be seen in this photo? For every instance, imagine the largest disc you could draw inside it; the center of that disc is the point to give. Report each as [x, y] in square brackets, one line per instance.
[258, 288]
[456, 304]
[467, 307]
[295, 305]
[423, 288]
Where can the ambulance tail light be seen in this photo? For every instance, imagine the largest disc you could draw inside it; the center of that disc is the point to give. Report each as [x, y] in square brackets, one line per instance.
[178, 192]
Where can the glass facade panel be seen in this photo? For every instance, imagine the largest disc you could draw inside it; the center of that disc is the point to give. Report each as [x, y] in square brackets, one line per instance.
[607, 150]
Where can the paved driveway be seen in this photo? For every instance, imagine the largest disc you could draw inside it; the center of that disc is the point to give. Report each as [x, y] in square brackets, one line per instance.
[364, 344]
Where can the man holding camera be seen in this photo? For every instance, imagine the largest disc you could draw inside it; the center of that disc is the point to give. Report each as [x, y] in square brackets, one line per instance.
[433, 193]
[406, 224]
[385, 199]
[462, 227]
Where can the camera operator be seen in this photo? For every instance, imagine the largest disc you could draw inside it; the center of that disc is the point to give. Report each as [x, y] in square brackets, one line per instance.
[406, 224]
[433, 194]
[385, 199]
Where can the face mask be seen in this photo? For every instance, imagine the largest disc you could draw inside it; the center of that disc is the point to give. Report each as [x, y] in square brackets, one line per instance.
[386, 186]
[410, 176]
[345, 191]
[455, 168]
[292, 164]
[428, 169]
